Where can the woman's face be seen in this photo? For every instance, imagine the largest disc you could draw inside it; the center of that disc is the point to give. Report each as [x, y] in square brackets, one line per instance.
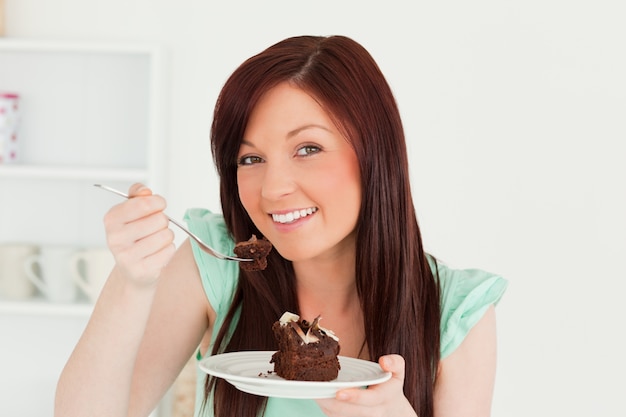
[298, 177]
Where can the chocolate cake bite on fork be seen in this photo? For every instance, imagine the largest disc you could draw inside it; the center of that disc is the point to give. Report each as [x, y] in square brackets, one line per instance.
[255, 249]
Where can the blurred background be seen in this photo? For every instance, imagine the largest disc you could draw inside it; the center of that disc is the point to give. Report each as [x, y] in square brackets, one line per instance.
[514, 114]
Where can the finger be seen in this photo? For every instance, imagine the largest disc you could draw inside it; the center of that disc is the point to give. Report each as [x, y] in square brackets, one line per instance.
[140, 206]
[123, 233]
[138, 230]
[132, 210]
[375, 394]
[139, 189]
[394, 364]
[332, 407]
[159, 259]
[150, 244]
[144, 260]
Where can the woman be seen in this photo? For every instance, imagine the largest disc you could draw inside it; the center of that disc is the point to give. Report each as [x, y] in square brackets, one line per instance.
[311, 154]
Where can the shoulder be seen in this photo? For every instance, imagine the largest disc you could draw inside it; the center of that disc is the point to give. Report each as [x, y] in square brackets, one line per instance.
[466, 295]
[211, 228]
[219, 278]
[203, 220]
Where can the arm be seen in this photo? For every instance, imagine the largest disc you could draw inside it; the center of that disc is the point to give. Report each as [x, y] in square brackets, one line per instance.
[180, 316]
[147, 321]
[466, 378]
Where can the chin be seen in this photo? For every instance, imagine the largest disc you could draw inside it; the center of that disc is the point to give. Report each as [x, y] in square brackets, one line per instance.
[294, 254]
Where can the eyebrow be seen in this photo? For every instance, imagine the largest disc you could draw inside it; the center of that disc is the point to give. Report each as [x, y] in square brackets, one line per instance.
[296, 131]
[305, 127]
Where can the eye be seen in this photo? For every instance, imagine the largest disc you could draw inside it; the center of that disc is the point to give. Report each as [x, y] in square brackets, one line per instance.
[308, 150]
[249, 160]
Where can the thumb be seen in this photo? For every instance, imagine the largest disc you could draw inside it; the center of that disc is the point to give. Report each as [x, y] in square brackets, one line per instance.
[394, 364]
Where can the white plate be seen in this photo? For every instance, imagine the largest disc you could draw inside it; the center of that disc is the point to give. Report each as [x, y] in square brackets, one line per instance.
[250, 372]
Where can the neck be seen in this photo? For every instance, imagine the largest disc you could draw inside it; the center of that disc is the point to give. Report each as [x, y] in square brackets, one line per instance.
[326, 287]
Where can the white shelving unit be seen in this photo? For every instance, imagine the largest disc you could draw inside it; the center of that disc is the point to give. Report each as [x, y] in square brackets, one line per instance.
[89, 113]
[40, 307]
[42, 172]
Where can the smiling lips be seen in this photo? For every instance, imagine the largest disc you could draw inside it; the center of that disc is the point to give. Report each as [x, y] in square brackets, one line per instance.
[293, 216]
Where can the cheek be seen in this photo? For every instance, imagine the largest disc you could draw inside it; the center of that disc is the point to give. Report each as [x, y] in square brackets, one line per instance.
[350, 175]
[247, 191]
[344, 184]
[355, 191]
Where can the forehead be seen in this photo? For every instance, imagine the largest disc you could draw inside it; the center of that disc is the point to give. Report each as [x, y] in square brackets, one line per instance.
[287, 101]
[285, 106]
[285, 96]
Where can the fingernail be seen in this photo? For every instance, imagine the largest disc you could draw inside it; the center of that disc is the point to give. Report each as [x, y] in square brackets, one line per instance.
[343, 396]
[387, 362]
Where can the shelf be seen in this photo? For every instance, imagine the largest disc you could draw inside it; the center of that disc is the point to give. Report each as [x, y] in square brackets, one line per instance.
[90, 113]
[85, 104]
[44, 308]
[47, 46]
[17, 171]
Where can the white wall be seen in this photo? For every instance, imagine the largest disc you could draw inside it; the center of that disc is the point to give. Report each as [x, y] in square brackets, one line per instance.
[515, 117]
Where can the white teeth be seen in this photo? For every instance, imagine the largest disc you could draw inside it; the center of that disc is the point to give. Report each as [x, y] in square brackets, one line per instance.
[294, 215]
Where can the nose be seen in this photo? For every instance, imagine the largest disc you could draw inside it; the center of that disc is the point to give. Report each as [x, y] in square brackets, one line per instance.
[278, 181]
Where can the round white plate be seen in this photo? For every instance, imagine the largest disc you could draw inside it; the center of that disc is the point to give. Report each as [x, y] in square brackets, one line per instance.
[252, 372]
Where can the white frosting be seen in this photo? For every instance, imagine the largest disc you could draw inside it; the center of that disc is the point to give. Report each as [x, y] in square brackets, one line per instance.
[309, 338]
[288, 317]
[329, 333]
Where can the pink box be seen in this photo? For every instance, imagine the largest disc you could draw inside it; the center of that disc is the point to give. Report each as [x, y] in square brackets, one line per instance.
[9, 115]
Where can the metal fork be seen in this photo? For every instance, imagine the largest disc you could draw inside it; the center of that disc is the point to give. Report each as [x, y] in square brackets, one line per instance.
[203, 245]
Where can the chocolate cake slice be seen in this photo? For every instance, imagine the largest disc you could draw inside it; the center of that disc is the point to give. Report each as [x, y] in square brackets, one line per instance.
[255, 249]
[306, 351]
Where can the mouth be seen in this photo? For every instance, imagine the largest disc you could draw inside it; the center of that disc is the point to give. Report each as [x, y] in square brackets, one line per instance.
[292, 216]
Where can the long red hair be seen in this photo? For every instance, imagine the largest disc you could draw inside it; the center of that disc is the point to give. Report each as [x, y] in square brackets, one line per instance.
[398, 292]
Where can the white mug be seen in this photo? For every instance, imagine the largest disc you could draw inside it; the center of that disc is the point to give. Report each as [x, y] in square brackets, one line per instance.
[14, 283]
[90, 270]
[50, 272]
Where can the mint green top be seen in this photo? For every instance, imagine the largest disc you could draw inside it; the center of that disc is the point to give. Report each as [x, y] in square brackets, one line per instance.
[465, 296]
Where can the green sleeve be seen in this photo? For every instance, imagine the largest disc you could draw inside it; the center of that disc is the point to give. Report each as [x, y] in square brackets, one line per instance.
[219, 277]
[466, 294]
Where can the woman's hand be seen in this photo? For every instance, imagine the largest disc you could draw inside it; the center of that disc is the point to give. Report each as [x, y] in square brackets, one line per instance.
[138, 235]
[386, 399]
